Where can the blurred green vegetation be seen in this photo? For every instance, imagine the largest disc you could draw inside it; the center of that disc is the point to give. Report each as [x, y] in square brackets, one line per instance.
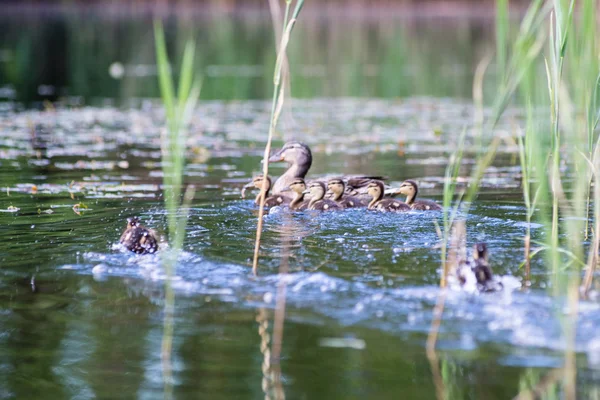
[72, 54]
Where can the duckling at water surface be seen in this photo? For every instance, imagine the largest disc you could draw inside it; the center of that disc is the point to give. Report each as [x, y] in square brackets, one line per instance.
[270, 201]
[338, 187]
[298, 186]
[376, 190]
[317, 202]
[138, 238]
[410, 189]
[481, 269]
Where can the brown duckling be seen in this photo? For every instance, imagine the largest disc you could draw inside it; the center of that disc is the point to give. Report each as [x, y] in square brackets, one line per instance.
[299, 159]
[481, 270]
[410, 189]
[338, 188]
[270, 201]
[298, 187]
[376, 189]
[138, 238]
[317, 202]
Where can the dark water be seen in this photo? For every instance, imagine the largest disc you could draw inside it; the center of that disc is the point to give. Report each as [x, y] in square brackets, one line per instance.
[80, 318]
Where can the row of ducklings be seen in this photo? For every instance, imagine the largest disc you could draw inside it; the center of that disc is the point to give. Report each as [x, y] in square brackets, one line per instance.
[340, 199]
[475, 273]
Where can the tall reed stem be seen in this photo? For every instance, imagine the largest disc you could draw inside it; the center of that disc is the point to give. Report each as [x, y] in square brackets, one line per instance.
[276, 106]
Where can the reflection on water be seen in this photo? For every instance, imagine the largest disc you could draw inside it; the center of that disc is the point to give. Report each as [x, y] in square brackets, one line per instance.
[93, 58]
[360, 291]
[80, 318]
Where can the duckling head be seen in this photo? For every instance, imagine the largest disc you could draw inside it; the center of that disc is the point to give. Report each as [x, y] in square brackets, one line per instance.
[317, 190]
[298, 185]
[480, 252]
[337, 187]
[409, 188]
[258, 182]
[375, 189]
[133, 222]
[293, 153]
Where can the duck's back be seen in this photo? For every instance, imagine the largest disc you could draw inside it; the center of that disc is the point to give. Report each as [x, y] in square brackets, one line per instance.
[303, 205]
[392, 205]
[276, 200]
[139, 240]
[352, 202]
[425, 205]
[325, 205]
[485, 280]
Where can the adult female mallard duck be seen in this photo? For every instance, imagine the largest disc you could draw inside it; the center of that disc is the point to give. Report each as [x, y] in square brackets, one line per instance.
[338, 188]
[317, 202]
[138, 238]
[410, 189]
[376, 189]
[298, 187]
[270, 201]
[299, 159]
[480, 269]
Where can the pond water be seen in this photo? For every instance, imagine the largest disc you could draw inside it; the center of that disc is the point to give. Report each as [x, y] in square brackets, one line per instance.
[80, 318]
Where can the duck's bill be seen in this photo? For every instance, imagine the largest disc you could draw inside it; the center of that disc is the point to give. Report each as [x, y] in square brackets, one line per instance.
[306, 192]
[392, 192]
[277, 157]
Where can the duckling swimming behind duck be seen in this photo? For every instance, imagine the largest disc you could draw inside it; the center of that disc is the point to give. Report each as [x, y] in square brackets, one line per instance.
[338, 188]
[270, 201]
[298, 186]
[483, 271]
[376, 189]
[410, 189]
[480, 268]
[317, 202]
[138, 238]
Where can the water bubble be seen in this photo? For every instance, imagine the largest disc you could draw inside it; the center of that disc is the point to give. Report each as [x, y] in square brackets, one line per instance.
[358, 308]
[116, 70]
[268, 297]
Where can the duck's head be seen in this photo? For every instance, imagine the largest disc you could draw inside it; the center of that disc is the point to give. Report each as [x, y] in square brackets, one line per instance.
[298, 186]
[133, 222]
[293, 153]
[336, 186]
[480, 252]
[375, 189]
[317, 190]
[409, 188]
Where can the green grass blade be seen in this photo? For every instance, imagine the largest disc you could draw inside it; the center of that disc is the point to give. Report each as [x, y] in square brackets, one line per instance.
[186, 76]
[502, 32]
[164, 72]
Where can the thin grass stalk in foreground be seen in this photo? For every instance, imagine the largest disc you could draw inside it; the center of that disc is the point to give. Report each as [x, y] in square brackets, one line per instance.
[595, 247]
[279, 319]
[502, 36]
[178, 111]
[542, 386]
[457, 247]
[528, 45]
[276, 106]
